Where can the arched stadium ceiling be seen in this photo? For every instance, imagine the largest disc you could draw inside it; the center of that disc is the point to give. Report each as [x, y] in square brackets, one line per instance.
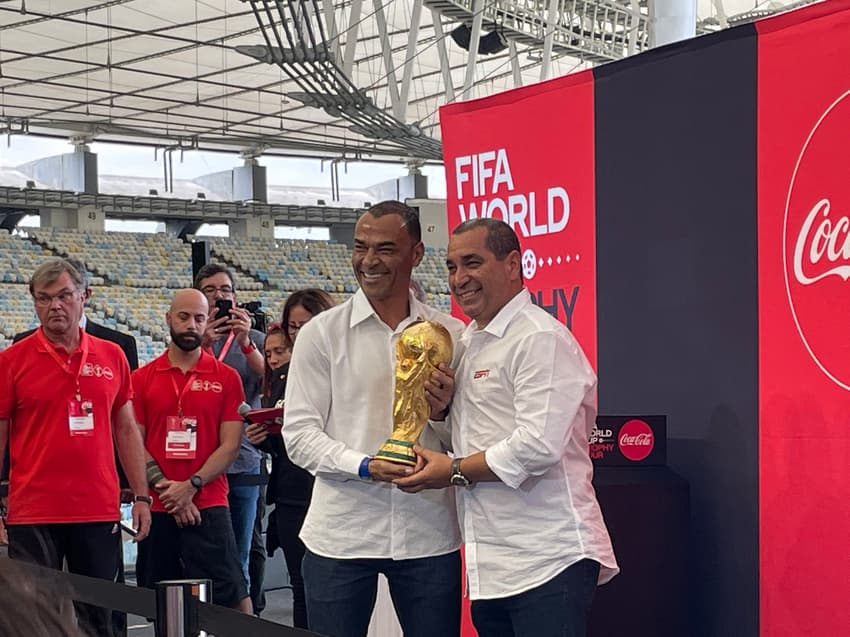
[359, 79]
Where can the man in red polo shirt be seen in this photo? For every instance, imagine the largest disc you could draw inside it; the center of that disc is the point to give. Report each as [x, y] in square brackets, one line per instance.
[64, 396]
[187, 406]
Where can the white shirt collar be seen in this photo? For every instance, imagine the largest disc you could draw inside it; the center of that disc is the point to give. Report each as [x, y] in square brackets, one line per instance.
[361, 308]
[503, 318]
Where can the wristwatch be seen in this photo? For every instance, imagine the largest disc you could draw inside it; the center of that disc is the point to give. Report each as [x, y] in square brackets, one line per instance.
[197, 481]
[457, 478]
[143, 498]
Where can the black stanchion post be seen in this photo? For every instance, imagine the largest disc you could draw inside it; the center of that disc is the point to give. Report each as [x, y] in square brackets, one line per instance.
[177, 607]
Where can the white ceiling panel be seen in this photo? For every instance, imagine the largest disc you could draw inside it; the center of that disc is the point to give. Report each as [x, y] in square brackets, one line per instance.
[167, 72]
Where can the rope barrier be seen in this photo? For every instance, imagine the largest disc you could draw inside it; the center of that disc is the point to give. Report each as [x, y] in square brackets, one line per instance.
[220, 621]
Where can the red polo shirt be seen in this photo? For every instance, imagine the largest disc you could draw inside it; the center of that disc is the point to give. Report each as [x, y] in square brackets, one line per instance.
[56, 477]
[213, 398]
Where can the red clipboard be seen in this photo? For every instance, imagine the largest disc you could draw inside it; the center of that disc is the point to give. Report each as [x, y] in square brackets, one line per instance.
[272, 417]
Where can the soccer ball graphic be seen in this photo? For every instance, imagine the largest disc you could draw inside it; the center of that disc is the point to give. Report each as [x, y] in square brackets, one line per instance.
[529, 264]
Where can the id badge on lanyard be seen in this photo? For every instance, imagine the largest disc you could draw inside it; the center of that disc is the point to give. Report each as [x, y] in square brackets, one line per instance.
[181, 435]
[80, 418]
[80, 410]
[181, 438]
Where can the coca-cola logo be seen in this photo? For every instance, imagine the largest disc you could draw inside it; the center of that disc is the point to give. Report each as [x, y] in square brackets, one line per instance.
[206, 385]
[636, 440]
[97, 371]
[816, 243]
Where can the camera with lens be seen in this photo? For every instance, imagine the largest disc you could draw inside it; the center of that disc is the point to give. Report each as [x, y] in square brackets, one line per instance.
[255, 311]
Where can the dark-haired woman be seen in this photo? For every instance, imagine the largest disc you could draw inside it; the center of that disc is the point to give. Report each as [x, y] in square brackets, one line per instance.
[290, 487]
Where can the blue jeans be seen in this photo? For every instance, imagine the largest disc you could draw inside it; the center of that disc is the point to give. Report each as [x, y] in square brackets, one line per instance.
[341, 594]
[557, 608]
[243, 512]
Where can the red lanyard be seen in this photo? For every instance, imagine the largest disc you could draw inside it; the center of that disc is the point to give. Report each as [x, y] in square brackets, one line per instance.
[84, 347]
[181, 394]
[226, 347]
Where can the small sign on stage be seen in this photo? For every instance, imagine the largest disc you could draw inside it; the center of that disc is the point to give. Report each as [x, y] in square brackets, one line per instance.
[622, 441]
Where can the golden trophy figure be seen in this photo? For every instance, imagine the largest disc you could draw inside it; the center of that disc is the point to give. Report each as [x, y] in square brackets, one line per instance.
[421, 347]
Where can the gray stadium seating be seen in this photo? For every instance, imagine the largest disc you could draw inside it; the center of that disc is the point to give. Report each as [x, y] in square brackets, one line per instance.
[134, 276]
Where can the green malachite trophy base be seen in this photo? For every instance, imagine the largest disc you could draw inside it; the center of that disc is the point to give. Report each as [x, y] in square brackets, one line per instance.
[398, 451]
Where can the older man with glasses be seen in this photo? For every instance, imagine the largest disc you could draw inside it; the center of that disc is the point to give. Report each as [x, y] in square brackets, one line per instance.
[230, 338]
[127, 343]
[64, 397]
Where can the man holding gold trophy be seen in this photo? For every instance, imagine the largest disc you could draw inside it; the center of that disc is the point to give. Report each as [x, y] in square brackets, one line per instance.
[524, 407]
[366, 377]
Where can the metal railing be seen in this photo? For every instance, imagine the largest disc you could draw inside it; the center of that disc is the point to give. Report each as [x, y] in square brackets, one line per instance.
[174, 613]
[166, 208]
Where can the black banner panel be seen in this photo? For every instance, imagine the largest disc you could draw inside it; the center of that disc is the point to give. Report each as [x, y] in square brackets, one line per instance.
[677, 296]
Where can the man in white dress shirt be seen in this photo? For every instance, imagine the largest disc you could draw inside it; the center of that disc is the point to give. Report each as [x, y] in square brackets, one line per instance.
[524, 406]
[339, 404]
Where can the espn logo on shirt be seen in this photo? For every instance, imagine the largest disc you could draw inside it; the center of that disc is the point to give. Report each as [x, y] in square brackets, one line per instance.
[206, 385]
[480, 374]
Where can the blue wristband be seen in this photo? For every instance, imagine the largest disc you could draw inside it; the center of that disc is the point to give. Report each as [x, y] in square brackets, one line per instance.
[363, 471]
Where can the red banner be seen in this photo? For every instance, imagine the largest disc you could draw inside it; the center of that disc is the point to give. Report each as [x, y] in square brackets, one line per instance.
[804, 321]
[526, 156]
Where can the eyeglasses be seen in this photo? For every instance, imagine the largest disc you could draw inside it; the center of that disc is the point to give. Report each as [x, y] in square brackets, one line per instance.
[64, 297]
[212, 289]
[294, 327]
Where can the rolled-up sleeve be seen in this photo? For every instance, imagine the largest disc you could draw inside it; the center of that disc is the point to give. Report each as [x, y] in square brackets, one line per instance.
[552, 380]
[307, 406]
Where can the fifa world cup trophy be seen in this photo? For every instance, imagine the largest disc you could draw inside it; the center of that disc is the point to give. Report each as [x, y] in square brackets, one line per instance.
[421, 347]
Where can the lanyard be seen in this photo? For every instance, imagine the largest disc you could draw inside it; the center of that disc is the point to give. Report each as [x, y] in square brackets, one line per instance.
[181, 394]
[226, 347]
[84, 347]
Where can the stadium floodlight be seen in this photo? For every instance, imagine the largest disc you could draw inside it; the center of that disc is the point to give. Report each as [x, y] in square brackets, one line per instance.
[488, 44]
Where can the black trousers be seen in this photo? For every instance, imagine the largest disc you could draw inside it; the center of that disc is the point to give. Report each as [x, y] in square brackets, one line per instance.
[289, 518]
[257, 558]
[89, 548]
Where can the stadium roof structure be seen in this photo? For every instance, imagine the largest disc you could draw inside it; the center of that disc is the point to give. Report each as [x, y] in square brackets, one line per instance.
[347, 79]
